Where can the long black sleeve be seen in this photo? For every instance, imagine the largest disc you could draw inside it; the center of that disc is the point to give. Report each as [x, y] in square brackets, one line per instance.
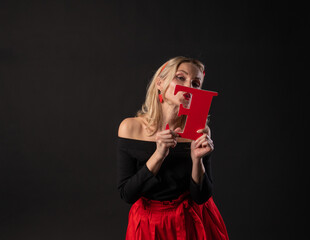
[132, 182]
[203, 191]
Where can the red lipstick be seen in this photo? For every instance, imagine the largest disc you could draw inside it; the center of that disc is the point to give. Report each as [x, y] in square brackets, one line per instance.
[187, 96]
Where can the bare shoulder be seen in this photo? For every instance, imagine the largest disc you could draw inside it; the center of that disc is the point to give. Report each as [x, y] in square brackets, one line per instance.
[130, 128]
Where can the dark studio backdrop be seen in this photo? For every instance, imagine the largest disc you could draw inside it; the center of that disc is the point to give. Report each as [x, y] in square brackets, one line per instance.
[70, 71]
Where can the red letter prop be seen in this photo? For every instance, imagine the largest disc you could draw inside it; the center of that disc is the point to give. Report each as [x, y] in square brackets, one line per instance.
[197, 114]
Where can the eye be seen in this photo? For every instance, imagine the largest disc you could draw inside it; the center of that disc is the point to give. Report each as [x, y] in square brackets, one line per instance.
[180, 77]
[196, 84]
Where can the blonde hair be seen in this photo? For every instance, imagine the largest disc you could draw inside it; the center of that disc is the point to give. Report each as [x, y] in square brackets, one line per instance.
[151, 109]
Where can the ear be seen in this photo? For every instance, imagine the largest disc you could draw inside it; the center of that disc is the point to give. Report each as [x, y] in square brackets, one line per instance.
[159, 83]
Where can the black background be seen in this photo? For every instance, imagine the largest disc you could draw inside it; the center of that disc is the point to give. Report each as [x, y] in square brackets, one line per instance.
[72, 70]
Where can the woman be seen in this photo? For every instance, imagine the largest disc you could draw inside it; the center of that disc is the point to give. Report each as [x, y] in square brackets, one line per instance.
[167, 178]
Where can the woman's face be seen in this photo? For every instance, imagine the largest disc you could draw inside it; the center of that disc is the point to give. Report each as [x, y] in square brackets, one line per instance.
[187, 75]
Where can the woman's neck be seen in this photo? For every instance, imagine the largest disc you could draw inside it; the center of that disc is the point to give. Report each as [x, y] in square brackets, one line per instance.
[170, 116]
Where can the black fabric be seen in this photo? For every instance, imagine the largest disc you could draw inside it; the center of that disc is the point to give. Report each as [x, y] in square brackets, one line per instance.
[173, 179]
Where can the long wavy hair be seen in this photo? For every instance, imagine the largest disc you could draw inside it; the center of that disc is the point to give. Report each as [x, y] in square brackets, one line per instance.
[151, 109]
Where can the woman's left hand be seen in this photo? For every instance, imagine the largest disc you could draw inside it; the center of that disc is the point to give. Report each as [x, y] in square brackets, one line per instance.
[203, 145]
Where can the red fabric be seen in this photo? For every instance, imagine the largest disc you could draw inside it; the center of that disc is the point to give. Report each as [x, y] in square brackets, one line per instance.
[180, 219]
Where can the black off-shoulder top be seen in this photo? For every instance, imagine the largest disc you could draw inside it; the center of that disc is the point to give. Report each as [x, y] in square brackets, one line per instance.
[173, 179]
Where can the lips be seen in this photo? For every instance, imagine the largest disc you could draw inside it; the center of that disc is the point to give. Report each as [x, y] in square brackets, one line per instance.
[187, 96]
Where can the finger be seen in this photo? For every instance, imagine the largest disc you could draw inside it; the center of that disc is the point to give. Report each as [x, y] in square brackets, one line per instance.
[177, 130]
[164, 131]
[209, 139]
[164, 140]
[204, 130]
[202, 139]
[175, 134]
[208, 143]
[208, 147]
[203, 136]
[198, 142]
[205, 144]
[200, 131]
[168, 131]
[168, 140]
[170, 144]
[193, 145]
[167, 136]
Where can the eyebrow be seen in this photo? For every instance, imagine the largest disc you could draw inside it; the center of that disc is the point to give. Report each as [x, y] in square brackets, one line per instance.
[183, 71]
[187, 74]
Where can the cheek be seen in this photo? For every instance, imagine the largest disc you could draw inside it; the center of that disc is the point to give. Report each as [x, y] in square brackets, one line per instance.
[170, 93]
[171, 87]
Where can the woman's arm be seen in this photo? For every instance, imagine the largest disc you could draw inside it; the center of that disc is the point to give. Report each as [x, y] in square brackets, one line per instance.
[133, 182]
[201, 183]
[164, 140]
[202, 190]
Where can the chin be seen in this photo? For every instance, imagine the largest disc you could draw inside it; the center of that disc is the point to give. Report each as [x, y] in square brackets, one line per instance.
[185, 103]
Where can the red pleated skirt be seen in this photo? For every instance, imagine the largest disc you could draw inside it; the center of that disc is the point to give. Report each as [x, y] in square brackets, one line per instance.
[180, 219]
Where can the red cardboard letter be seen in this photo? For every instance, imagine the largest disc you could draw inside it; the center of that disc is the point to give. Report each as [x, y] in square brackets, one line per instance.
[197, 113]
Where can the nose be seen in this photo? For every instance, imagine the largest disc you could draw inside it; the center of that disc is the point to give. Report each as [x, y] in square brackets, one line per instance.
[188, 84]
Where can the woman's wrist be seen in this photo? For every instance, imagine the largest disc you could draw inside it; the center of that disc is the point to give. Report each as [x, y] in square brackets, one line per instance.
[155, 162]
[198, 170]
[159, 156]
[197, 160]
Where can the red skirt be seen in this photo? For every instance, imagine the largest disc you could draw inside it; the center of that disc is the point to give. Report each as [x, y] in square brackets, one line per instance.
[180, 219]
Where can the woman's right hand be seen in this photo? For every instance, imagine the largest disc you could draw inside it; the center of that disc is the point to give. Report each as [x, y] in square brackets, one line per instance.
[164, 140]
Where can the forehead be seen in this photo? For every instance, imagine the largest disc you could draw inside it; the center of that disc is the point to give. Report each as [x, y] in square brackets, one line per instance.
[190, 68]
